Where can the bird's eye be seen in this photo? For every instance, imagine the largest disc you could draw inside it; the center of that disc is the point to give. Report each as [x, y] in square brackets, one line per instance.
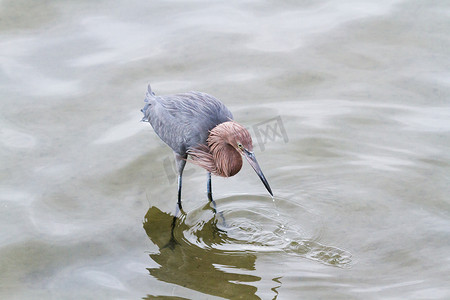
[240, 146]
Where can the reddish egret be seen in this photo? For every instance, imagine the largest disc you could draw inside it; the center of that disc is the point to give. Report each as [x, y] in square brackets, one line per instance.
[199, 125]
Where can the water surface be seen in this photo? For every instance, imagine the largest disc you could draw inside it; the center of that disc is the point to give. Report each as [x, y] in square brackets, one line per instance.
[348, 106]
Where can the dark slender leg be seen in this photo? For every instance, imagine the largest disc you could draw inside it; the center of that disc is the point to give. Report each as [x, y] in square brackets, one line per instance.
[209, 190]
[209, 187]
[181, 162]
[179, 190]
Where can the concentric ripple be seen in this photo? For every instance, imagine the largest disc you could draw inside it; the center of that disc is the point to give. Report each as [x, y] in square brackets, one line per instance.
[259, 224]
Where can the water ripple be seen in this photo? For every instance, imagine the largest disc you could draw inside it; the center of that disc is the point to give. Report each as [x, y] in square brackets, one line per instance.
[256, 224]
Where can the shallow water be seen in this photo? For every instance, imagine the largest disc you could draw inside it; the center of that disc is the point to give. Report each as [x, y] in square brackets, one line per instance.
[348, 106]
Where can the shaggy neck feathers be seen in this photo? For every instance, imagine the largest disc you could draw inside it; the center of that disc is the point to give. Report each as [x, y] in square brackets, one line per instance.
[221, 155]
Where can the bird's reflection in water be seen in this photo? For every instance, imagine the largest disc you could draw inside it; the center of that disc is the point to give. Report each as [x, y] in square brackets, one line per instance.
[193, 261]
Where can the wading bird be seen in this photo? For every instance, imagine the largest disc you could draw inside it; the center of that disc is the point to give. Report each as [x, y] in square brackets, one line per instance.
[199, 125]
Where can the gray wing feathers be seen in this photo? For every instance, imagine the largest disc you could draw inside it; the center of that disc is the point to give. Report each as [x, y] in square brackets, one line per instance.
[184, 120]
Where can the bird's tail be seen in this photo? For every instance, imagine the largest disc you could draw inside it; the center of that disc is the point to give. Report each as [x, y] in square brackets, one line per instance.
[146, 110]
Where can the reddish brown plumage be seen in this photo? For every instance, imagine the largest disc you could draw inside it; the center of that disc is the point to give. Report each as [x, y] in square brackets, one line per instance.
[222, 154]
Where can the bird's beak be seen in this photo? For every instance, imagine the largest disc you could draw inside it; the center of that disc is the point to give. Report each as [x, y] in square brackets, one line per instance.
[254, 163]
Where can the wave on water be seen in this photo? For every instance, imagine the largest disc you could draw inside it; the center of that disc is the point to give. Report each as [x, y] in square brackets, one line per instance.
[255, 224]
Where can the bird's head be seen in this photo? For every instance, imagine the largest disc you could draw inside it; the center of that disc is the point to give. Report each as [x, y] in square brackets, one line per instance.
[238, 137]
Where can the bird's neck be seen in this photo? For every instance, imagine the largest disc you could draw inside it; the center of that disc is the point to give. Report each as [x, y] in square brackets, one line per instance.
[217, 156]
[227, 160]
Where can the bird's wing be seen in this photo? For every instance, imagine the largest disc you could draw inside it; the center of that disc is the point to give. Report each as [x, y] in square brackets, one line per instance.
[184, 120]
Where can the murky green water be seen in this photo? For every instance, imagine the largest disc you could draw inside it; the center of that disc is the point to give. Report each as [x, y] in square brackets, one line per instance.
[348, 106]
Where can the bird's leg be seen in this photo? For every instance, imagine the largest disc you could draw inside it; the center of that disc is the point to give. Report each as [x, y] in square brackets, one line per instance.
[181, 162]
[209, 190]
[214, 206]
[209, 187]
[179, 191]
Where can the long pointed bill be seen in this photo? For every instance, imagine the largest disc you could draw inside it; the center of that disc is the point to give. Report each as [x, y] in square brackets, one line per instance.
[254, 163]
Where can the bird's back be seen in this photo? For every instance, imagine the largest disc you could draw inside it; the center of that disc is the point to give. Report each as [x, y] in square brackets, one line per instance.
[184, 120]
